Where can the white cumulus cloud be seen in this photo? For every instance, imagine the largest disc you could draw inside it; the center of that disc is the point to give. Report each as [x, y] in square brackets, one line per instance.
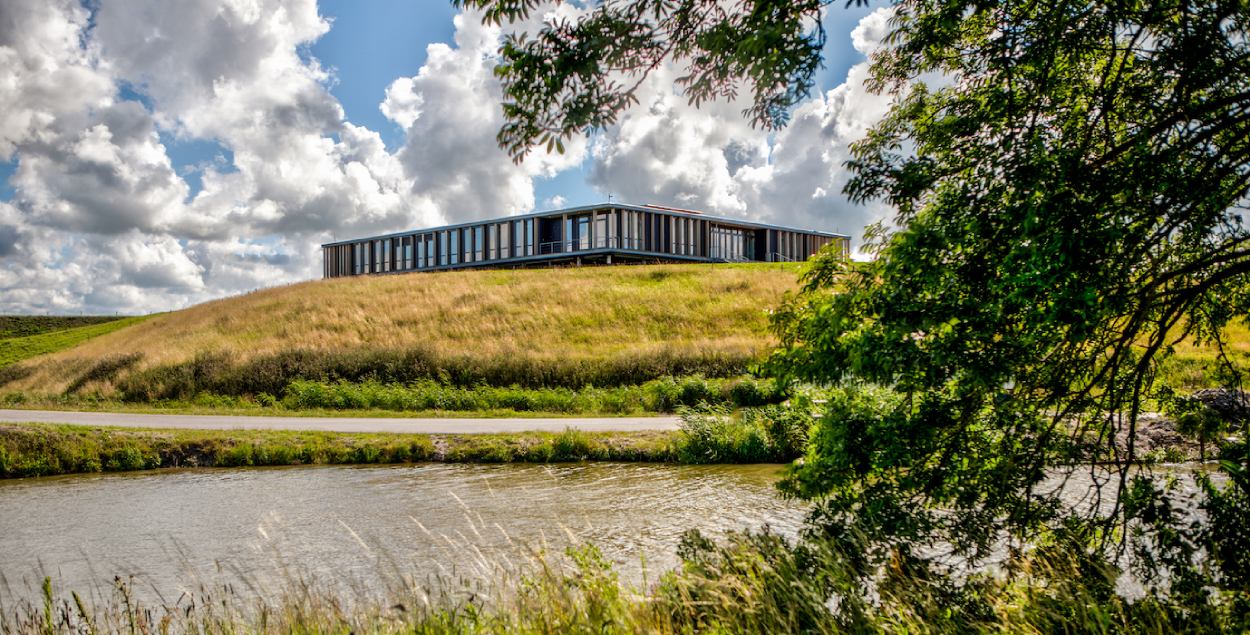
[666, 151]
[101, 219]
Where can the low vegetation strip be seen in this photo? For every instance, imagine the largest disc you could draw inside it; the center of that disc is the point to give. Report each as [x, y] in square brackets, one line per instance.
[663, 395]
[275, 374]
[301, 396]
[765, 435]
[44, 450]
[16, 349]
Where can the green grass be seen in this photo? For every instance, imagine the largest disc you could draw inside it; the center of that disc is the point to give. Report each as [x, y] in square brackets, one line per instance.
[664, 395]
[45, 449]
[247, 408]
[767, 435]
[26, 325]
[16, 349]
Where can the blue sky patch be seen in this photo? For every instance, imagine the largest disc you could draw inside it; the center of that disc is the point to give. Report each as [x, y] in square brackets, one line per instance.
[371, 44]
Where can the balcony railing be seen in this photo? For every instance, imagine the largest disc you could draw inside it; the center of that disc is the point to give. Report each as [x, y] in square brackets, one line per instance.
[613, 242]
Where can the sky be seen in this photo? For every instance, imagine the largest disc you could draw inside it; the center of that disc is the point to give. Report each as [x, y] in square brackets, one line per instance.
[155, 154]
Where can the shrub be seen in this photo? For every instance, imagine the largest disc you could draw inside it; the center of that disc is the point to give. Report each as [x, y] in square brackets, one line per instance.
[710, 435]
[663, 395]
[272, 374]
[571, 445]
[786, 426]
[14, 372]
[751, 392]
[103, 370]
[774, 434]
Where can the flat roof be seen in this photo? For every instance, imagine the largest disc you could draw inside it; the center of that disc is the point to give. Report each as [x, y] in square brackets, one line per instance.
[655, 209]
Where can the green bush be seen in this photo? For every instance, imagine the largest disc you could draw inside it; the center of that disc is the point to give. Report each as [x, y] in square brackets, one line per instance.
[215, 373]
[663, 395]
[103, 370]
[711, 435]
[750, 392]
[773, 434]
[571, 445]
[786, 426]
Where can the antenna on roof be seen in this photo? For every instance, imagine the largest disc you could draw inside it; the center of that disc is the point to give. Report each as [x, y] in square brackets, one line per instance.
[609, 197]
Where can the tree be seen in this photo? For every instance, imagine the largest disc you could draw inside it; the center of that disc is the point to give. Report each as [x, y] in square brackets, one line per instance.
[1070, 203]
[577, 75]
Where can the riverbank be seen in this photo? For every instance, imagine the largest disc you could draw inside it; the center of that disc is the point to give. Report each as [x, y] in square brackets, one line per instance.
[33, 449]
[766, 435]
[394, 425]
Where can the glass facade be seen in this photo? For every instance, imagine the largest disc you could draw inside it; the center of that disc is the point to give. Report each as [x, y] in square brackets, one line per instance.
[728, 243]
[610, 233]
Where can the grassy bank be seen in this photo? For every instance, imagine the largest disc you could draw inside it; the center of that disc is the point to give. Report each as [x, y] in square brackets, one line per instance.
[44, 450]
[571, 327]
[757, 436]
[664, 395]
[25, 325]
[26, 338]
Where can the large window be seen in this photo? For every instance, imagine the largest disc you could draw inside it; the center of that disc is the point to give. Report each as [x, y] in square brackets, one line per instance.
[479, 243]
[454, 249]
[505, 240]
[602, 222]
[529, 237]
[582, 235]
[731, 244]
[442, 248]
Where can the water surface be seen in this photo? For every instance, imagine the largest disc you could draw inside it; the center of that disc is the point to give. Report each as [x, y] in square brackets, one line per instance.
[173, 530]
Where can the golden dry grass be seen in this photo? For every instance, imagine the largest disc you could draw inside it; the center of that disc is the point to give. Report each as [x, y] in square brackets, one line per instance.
[567, 313]
[1194, 366]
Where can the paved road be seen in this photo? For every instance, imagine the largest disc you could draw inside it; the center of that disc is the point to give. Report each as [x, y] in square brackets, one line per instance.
[339, 424]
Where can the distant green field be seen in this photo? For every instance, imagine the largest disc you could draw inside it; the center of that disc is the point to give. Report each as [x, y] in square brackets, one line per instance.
[48, 340]
[25, 325]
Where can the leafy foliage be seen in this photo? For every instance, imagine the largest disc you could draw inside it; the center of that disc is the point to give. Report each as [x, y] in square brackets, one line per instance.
[1070, 181]
[1070, 204]
[575, 75]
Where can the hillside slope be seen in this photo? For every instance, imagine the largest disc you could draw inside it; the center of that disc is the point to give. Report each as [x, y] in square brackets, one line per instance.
[552, 316]
[42, 340]
[12, 326]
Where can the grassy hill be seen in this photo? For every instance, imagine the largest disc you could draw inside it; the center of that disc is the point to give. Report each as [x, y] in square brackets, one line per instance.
[537, 327]
[436, 342]
[24, 337]
[12, 326]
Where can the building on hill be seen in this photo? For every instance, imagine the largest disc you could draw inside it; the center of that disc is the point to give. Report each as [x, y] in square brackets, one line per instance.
[609, 233]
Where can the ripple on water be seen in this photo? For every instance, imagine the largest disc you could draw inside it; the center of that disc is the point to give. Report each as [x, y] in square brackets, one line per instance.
[171, 529]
